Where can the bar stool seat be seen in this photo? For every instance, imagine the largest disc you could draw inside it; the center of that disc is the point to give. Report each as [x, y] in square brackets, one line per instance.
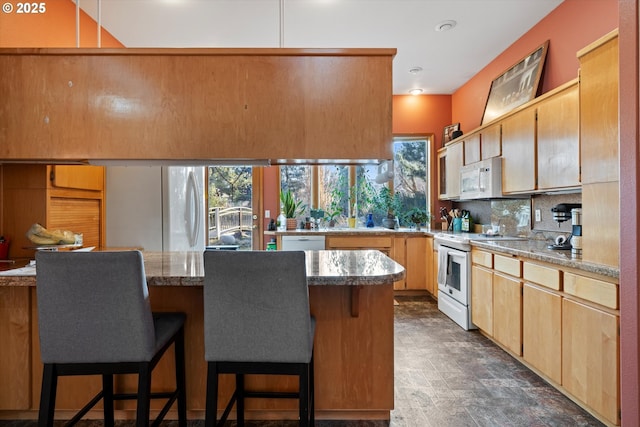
[257, 321]
[94, 318]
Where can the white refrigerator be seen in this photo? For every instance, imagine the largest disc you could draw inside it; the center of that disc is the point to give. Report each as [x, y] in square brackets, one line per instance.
[157, 208]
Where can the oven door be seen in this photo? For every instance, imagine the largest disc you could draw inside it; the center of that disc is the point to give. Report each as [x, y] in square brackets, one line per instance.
[454, 273]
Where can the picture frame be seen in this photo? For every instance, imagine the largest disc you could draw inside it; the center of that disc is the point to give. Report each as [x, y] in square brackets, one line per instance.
[448, 131]
[517, 85]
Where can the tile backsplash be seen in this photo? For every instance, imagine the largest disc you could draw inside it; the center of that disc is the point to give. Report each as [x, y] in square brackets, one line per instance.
[545, 203]
[518, 215]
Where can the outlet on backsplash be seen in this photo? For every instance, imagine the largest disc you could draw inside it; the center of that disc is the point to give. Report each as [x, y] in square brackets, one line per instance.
[544, 203]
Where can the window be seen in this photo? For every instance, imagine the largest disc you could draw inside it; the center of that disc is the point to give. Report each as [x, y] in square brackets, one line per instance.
[342, 191]
[411, 172]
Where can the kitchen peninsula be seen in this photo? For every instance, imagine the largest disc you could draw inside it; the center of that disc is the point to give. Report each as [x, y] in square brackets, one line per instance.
[351, 297]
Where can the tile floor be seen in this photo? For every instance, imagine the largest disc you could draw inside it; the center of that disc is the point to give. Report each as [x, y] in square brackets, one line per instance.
[447, 377]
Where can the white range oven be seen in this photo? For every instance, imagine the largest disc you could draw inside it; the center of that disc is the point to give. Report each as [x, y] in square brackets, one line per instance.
[454, 278]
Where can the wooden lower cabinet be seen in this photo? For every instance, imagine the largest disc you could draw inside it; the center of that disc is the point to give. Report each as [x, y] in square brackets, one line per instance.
[15, 336]
[482, 298]
[541, 331]
[416, 263]
[590, 354]
[507, 312]
[563, 324]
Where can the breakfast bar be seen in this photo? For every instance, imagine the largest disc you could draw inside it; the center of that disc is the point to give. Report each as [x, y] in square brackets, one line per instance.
[351, 297]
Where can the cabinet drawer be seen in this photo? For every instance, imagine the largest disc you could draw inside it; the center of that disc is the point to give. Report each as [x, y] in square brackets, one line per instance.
[484, 259]
[594, 290]
[372, 242]
[545, 276]
[507, 265]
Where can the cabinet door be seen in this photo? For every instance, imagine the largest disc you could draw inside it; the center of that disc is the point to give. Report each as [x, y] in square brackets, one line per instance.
[471, 148]
[507, 312]
[599, 113]
[434, 275]
[491, 141]
[519, 152]
[482, 298]
[590, 353]
[79, 177]
[430, 284]
[559, 140]
[454, 161]
[399, 255]
[15, 330]
[601, 223]
[416, 275]
[541, 326]
[442, 174]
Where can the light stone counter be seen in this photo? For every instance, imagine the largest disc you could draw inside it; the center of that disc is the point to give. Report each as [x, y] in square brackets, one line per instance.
[333, 267]
[537, 250]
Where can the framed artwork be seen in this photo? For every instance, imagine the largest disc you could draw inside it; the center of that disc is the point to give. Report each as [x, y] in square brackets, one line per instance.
[516, 86]
[448, 130]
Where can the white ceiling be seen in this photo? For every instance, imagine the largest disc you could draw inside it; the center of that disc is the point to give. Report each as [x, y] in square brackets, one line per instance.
[484, 29]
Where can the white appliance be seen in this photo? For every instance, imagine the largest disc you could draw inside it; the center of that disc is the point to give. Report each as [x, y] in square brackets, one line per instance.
[481, 180]
[157, 208]
[302, 243]
[454, 279]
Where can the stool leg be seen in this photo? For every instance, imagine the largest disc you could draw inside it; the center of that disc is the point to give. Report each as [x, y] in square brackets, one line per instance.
[48, 396]
[211, 409]
[312, 393]
[240, 399]
[144, 395]
[107, 399]
[180, 379]
[303, 398]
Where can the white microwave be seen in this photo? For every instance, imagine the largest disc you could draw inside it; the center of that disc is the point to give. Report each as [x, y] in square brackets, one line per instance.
[481, 180]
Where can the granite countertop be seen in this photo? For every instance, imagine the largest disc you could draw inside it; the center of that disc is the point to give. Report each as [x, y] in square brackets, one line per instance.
[358, 231]
[537, 250]
[335, 267]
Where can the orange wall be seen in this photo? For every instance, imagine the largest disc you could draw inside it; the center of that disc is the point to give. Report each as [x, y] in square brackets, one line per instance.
[56, 27]
[570, 27]
[421, 114]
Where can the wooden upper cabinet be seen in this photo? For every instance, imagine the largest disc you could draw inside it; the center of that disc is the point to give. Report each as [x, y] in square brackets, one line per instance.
[454, 160]
[519, 152]
[183, 104]
[471, 148]
[491, 141]
[79, 177]
[558, 141]
[599, 110]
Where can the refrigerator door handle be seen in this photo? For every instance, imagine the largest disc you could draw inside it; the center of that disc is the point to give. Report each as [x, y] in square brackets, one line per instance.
[193, 218]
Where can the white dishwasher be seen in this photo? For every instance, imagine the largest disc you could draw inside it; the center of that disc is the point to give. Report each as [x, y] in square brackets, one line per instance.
[302, 243]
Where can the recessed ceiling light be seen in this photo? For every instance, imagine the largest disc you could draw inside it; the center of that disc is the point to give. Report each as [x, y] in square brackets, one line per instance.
[415, 70]
[446, 25]
[415, 91]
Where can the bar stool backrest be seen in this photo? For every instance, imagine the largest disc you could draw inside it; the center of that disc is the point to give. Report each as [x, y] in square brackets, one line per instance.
[256, 307]
[93, 307]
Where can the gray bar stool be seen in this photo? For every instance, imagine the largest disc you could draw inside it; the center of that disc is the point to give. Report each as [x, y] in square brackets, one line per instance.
[257, 321]
[94, 318]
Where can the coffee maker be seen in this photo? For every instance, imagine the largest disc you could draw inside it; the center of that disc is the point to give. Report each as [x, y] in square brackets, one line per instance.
[561, 213]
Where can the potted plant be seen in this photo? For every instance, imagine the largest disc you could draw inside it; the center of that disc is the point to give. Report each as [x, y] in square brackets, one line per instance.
[291, 208]
[418, 216]
[389, 203]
